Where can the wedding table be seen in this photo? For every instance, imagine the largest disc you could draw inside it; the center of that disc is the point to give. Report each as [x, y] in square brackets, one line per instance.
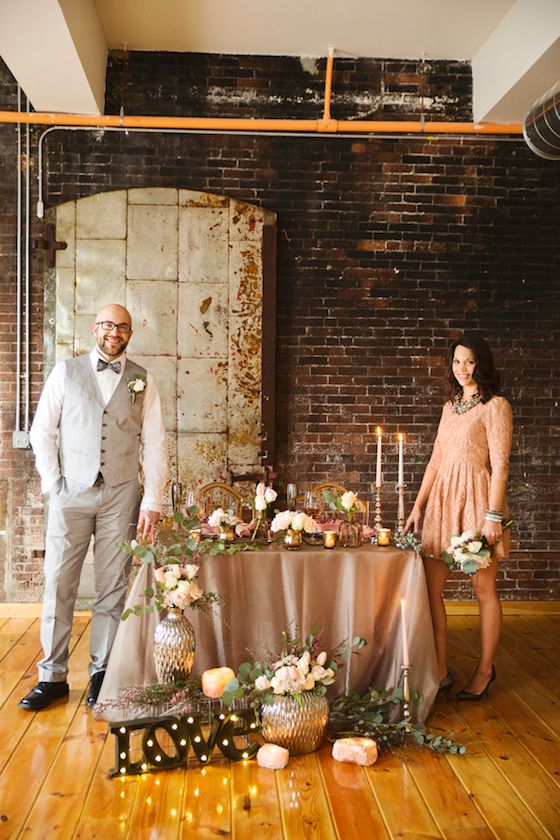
[344, 592]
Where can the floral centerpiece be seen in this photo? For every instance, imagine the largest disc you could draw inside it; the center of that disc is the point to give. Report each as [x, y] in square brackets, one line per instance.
[225, 521]
[470, 551]
[350, 533]
[294, 524]
[288, 689]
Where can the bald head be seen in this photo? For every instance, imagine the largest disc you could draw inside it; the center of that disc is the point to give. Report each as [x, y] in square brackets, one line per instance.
[110, 329]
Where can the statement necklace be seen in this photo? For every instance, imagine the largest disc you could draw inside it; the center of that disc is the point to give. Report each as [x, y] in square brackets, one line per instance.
[459, 407]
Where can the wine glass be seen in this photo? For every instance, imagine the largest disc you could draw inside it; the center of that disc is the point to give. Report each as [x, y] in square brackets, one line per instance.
[291, 495]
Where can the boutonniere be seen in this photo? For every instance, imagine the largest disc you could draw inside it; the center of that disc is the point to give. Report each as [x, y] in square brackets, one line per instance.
[136, 386]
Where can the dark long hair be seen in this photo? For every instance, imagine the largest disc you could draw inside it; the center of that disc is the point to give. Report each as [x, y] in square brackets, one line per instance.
[485, 374]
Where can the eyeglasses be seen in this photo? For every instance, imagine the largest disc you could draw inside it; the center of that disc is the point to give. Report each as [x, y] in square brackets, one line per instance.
[109, 327]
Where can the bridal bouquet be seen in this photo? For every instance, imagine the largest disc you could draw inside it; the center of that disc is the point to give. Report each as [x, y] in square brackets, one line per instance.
[288, 520]
[470, 551]
[302, 665]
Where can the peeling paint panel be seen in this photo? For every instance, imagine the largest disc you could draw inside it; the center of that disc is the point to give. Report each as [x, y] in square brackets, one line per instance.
[83, 335]
[152, 242]
[202, 395]
[192, 198]
[65, 303]
[154, 307]
[153, 195]
[203, 320]
[102, 216]
[164, 371]
[246, 222]
[203, 245]
[100, 273]
[201, 458]
[66, 232]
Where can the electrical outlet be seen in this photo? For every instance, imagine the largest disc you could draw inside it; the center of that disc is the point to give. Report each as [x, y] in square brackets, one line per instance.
[20, 440]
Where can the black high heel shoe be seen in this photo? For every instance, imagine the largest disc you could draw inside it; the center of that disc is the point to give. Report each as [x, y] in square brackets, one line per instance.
[468, 695]
[447, 683]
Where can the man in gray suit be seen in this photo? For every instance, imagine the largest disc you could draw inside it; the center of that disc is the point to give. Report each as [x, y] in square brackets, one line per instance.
[97, 416]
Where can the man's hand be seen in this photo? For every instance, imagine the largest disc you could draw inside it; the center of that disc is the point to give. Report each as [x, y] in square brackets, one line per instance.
[147, 521]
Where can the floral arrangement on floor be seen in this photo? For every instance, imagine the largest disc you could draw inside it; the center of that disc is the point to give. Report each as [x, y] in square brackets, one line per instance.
[301, 666]
[288, 520]
[347, 503]
[470, 551]
[172, 698]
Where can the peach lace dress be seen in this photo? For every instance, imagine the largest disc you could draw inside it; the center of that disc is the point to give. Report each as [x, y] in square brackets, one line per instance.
[469, 447]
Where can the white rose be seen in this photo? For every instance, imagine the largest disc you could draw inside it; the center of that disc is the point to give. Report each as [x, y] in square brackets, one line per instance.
[261, 488]
[216, 517]
[170, 580]
[456, 541]
[303, 662]
[270, 494]
[260, 503]
[298, 521]
[281, 521]
[262, 683]
[195, 592]
[348, 500]
[310, 526]
[474, 546]
[191, 570]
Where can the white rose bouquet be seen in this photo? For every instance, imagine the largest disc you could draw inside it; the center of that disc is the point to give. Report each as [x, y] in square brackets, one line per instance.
[470, 551]
[288, 520]
[177, 587]
[302, 666]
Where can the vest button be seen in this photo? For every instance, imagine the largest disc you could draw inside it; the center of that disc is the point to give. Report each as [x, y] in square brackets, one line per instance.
[102, 451]
[102, 464]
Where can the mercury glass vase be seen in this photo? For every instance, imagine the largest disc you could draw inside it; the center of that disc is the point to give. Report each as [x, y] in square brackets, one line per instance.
[174, 645]
[299, 728]
[350, 534]
[293, 540]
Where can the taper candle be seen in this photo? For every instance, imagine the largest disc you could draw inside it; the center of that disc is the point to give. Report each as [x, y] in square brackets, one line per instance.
[400, 481]
[378, 468]
[405, 662]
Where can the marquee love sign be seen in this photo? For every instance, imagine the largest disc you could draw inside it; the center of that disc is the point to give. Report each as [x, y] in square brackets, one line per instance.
[183, 734]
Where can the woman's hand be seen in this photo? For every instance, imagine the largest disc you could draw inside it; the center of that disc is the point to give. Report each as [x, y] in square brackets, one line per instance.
[492, 531]
[413, 520]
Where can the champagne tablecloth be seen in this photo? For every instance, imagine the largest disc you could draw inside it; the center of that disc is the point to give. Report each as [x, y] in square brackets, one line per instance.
[344, 592]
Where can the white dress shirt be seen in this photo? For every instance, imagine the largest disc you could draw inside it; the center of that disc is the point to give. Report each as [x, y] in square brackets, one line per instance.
[44, 430]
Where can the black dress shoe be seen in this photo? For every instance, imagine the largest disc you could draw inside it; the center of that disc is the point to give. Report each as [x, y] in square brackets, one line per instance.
[468, 695]
[94, 688]
[43, 694]
[447, 683]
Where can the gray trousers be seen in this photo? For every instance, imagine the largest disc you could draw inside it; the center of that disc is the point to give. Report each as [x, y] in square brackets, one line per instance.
[75, 513]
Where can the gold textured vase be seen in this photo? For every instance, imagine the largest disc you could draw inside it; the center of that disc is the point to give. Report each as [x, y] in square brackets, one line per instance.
[299, 728]
[174, 645]
[293, 539]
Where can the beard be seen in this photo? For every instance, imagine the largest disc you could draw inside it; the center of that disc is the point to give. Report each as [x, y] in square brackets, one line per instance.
[111, 349]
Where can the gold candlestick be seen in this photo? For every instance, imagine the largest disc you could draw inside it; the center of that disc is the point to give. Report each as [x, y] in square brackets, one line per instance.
[400, 512]
[406, 691]
[378, 521]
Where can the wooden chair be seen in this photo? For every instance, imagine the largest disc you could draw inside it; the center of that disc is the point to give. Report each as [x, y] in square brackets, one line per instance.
[215, 495]
[317, 490]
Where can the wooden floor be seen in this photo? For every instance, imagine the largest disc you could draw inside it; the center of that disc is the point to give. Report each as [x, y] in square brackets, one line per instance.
[53, 765]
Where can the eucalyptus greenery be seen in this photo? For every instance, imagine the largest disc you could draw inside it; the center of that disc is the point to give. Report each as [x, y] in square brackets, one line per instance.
[175, 545]
[185, 696]
[408, 540]
[367, 715]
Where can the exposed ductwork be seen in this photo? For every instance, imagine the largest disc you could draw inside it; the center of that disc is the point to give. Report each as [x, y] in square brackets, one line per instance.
[541, 128]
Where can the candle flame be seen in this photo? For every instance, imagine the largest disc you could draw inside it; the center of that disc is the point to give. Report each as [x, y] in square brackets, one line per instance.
[401, 437]
[402, 603]
[378, 431]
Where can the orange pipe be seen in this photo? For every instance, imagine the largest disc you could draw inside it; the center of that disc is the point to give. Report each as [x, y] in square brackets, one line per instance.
[260, 125]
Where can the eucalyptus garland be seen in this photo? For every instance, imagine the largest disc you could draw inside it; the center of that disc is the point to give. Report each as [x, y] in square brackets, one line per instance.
[366, 715]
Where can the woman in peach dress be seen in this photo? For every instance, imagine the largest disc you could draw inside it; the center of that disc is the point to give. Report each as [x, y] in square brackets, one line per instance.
[463, 489]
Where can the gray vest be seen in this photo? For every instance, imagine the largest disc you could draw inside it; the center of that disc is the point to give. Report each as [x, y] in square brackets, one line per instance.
[94, 438]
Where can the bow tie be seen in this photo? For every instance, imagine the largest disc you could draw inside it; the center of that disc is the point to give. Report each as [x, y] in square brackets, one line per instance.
[102, 364]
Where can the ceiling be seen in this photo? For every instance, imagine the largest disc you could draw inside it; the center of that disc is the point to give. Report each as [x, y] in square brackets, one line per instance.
[513, 45]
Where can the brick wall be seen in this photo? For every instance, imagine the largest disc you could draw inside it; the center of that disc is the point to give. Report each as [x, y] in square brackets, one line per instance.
[387, 249]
